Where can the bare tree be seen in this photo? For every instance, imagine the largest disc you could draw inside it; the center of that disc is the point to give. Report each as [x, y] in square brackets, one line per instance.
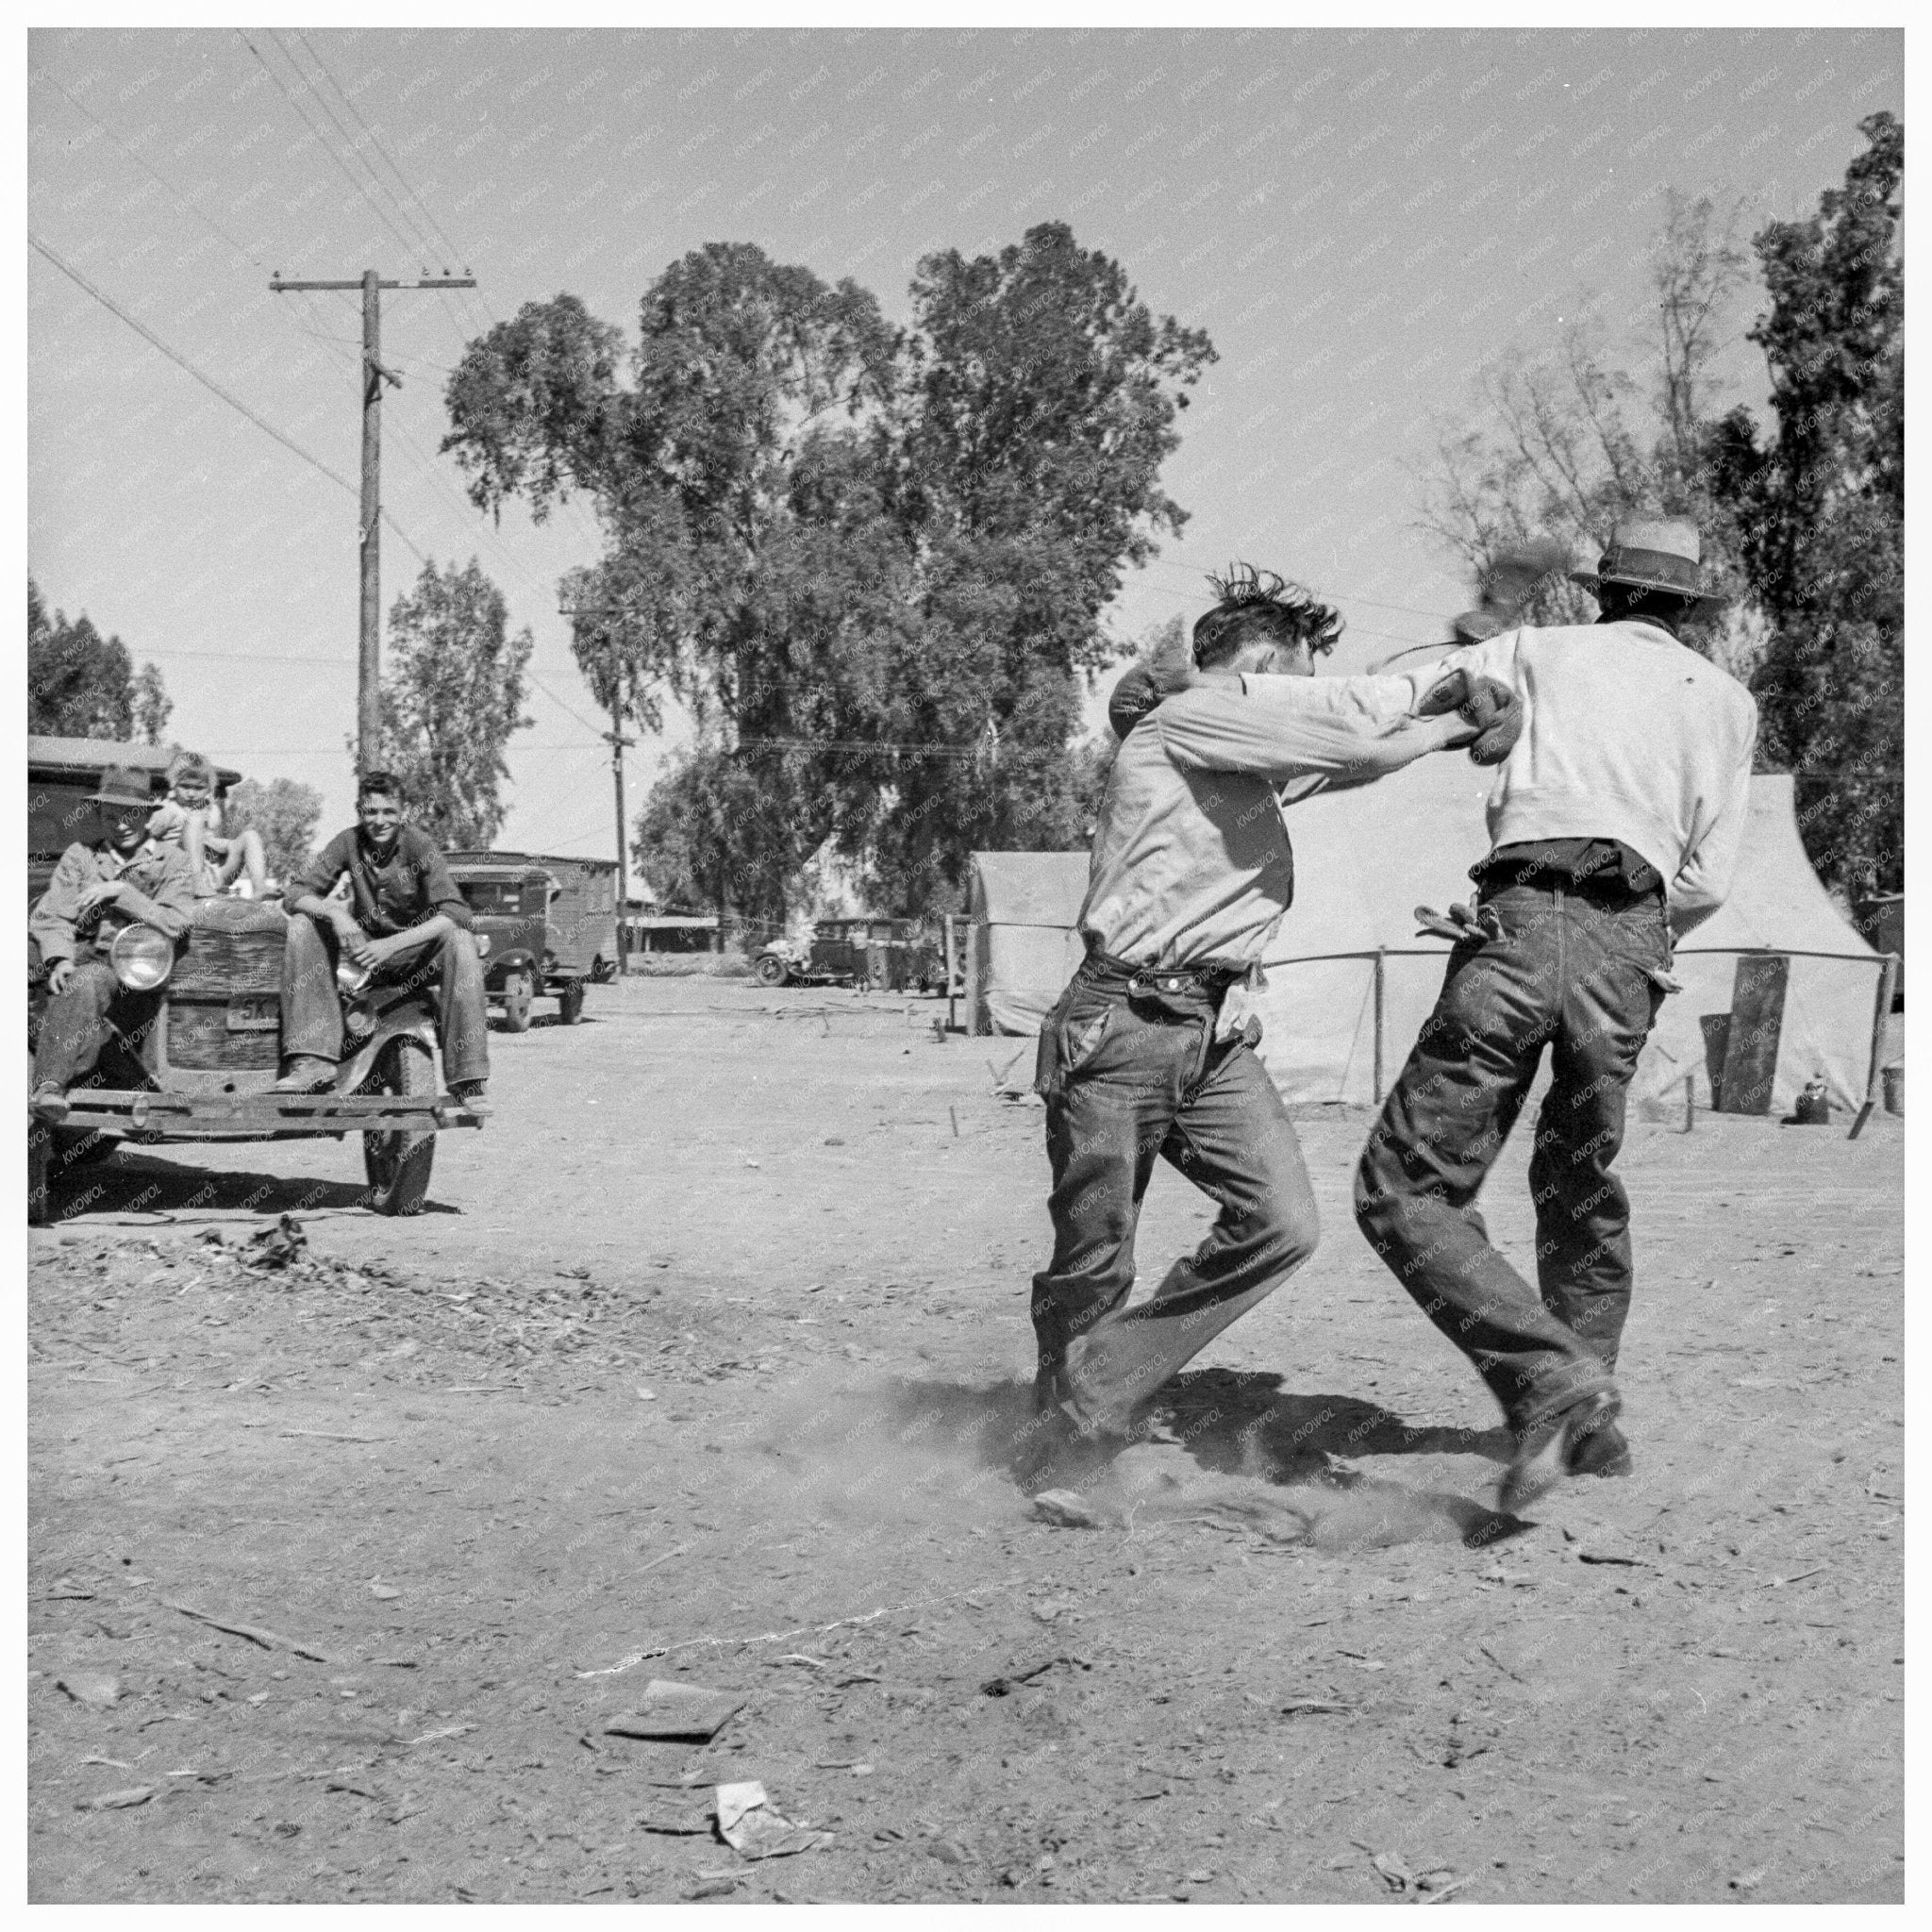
[1698, 269]
[1567, 437]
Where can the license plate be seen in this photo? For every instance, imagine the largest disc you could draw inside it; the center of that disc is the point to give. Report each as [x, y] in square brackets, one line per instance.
[261, 1015]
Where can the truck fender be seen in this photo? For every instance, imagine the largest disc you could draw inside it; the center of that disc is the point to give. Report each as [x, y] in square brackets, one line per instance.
[352, 1073]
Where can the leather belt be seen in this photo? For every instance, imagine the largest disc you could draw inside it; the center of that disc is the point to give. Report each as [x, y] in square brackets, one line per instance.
[1207, 982]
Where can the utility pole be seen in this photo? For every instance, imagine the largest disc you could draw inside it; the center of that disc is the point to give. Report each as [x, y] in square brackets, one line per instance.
[369, 653]
[616, 740]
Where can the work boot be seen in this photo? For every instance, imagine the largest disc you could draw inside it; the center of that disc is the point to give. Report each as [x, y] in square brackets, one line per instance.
[1582, 1439]
[1604, 1452]
[306, 1073]
[474, 1095]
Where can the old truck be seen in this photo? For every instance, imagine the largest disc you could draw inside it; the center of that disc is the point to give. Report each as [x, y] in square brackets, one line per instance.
[549, 924]
[199, 1056]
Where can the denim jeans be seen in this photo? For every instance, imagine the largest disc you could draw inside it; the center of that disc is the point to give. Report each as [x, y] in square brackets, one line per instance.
[1124, 1078]
[77, 1022]
[312, 1011]
[1577, 970]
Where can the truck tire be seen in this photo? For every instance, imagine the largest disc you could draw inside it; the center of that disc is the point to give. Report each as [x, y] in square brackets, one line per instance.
[398, 1164]
[570, 1002]
[771, 970]
[516, 1003]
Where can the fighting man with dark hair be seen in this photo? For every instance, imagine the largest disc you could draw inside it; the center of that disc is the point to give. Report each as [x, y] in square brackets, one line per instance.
[1190, 874]
[1618, 815]
[404, 917]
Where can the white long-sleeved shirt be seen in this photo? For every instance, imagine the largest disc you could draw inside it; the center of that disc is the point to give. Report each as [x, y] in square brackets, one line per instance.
[1191, 863]
[1628, 734]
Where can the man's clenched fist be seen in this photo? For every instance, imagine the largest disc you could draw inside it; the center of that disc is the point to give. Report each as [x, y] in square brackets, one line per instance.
[1493, 708]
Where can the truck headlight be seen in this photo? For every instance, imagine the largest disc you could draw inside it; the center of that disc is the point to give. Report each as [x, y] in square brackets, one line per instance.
[142, 957]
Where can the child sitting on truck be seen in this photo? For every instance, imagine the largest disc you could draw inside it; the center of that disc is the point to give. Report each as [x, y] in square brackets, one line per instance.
[190, 817]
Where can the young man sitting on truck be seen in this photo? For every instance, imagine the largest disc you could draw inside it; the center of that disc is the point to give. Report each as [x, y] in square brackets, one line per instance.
[404, 919]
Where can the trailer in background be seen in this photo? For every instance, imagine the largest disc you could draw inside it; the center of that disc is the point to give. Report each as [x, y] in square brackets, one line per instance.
[565, 911]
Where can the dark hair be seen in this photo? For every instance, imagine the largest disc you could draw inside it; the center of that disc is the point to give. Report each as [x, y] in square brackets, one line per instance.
[384, 782]
[1258, 606]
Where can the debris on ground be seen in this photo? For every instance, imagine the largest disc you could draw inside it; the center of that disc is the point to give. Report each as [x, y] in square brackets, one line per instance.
[671, 1710]
[255, 1633]
[276, 1247]
[748, 1824]
[1422, 1887]
[1066, 1509]
[117, 1801]
[98, 1688]
[1004, 1686]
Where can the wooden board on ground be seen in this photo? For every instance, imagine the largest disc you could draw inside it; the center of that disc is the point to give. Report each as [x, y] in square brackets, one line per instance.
[1757, 1019]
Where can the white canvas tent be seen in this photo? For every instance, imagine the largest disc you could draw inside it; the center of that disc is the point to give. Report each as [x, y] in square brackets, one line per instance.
[1349, 983]
[1021, 947]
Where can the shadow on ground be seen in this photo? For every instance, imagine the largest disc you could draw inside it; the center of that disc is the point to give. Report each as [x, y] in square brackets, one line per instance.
[128, 1182]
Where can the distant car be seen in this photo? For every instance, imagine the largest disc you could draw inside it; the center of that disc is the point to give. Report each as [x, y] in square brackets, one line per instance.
[783, 962]
[550, 925]
[888, 955]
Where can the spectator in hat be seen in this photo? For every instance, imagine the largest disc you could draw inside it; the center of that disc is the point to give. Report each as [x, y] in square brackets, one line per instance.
[102, 885]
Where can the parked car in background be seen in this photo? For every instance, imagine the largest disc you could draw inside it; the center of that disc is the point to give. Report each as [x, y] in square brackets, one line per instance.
[886, 955]
[550, 925]
[202, 1065]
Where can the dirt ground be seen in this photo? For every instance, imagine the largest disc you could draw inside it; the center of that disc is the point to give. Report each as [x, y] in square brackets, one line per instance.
[711, 1362]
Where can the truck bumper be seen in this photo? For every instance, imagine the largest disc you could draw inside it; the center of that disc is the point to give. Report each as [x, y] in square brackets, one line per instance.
[149, 1116]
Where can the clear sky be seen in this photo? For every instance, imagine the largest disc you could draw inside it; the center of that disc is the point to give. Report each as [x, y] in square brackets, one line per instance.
[1358, 218]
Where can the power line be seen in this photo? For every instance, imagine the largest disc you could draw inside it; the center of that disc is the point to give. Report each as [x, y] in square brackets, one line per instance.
[453, 253]
[419, 242]
[140, 161]
[360, 192]
[429, 215]
[209, 222]
[174, 356]
[209, 383]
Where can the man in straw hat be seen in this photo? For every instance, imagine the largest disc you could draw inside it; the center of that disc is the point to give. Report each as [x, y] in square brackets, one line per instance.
[1615, 822]
[101, 885]
[1191, 873]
